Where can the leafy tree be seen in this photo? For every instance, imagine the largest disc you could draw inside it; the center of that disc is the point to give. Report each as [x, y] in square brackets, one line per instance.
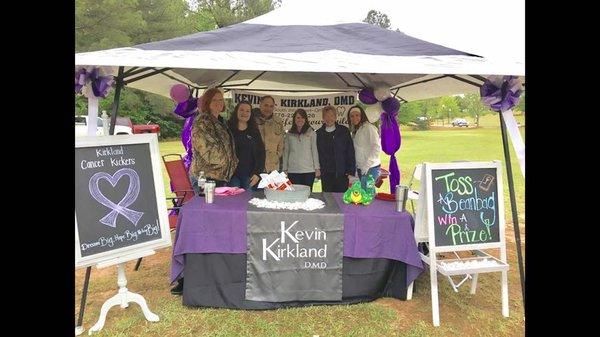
[212, 14]
[447, 108]
[473, 106]
[101, 24]
[105, 24]
[378, 19]
[409, 112]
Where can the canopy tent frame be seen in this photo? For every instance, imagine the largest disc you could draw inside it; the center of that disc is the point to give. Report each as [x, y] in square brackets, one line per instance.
[120, 81]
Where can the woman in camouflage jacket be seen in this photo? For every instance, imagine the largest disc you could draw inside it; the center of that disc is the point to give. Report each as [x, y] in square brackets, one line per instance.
[212, 142]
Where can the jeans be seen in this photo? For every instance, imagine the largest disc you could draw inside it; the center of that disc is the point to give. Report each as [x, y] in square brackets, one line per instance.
[373, 171]
[302, 179]
[243, 182]
[194, 181]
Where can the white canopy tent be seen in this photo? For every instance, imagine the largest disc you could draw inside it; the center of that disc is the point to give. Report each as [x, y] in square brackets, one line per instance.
[307, 49]
[296, 48]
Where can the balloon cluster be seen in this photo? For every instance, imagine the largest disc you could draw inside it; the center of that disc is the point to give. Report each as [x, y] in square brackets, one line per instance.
[93, 83]
[389, 104]
[501, 93]
[390, 132]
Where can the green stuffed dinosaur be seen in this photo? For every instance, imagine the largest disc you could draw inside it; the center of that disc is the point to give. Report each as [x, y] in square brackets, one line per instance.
[357, 195]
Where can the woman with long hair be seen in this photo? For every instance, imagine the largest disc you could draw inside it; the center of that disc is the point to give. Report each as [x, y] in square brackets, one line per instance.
[300, 154]
[249, 147]
[212, 142]
[212, 147]
[367, 145]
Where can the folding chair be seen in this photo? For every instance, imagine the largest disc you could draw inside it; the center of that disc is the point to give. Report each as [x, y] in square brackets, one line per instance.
[180, 185]
[412, 193]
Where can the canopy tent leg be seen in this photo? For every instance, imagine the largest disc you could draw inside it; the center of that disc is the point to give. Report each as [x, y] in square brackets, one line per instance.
[115, 110]
[513, 205]
[79, 328]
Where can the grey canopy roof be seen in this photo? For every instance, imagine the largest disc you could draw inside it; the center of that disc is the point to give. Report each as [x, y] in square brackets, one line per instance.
[259, 56]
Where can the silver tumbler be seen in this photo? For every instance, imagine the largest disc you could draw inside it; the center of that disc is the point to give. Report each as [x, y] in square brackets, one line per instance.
[401, 196]
[209, 191]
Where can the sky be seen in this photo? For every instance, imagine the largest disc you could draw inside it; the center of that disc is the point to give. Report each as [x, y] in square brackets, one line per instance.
[488, 27]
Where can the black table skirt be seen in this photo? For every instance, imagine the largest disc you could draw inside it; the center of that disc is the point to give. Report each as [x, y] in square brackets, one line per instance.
[219, 281]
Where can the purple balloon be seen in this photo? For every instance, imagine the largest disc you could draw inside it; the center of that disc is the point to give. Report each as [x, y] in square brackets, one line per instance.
[180, 93]
[391, 105]
[367, 96]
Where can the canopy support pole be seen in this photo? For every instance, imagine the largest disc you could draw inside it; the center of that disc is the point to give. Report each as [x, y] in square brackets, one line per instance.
[115, 111]
[156, 71]
[513, 205]
[86, 282]
[244, 84]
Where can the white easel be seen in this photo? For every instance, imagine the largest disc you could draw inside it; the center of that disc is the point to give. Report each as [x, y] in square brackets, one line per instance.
[124, 296]
[425, 232]
[133, 252]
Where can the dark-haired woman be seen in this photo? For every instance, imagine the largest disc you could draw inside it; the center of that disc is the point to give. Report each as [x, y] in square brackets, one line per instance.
[300, 154]
[249, 147]
[367, 145]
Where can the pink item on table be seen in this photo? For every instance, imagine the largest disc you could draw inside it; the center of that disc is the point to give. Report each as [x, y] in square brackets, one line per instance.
[225, 191]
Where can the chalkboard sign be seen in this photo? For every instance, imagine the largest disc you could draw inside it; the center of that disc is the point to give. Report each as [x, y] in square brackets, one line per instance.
[461, 207]
[462, 204]
[120, 205]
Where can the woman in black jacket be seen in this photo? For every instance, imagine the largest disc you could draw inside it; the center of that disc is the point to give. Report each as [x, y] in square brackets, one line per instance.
[336, 153]
[249, 147]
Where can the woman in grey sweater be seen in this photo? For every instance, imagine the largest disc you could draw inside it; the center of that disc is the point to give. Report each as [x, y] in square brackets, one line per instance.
[300, 155]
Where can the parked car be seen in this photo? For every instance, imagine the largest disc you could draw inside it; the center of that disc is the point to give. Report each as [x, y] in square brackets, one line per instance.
[139, 128]
[81, 125]
[460, 122]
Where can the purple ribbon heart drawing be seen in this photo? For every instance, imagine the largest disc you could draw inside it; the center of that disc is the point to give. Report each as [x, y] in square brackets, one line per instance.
[120, 208]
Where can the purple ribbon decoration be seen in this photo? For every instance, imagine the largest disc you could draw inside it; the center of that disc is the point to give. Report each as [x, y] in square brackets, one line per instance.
[501, 93]
[390, 143]
[100, 85]
[80, 79]
[120, 208]
[187, 110]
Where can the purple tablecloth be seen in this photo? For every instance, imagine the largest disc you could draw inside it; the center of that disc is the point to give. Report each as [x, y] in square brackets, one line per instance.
[374, 231]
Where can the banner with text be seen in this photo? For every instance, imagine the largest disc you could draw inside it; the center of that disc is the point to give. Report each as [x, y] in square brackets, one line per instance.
[286, 105]
[295, 255]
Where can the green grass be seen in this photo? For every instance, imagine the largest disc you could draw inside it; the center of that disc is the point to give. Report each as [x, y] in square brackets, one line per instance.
[462, 314]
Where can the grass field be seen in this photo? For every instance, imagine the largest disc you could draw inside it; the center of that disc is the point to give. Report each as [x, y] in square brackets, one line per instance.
[462, 314]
